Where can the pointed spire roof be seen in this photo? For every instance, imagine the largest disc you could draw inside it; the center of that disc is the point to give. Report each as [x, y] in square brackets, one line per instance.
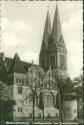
[47, 29]
[56, 30]
[16, 65]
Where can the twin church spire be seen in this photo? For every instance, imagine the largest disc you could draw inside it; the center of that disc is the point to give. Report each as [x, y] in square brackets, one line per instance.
[47, 29]
[55, 32]
[53, 50]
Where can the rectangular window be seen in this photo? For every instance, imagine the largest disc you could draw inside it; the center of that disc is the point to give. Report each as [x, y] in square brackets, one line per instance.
[19, 109]
[19, 80]
[19, 89]
[23, 80]
[16, 80]
[52, 61]
[62, 61]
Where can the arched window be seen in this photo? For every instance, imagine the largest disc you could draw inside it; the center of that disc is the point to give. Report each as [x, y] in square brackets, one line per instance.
[30, 99]
[48, 100]
[16, 80]
[62, 61]
[20, 80]
[52, 61]
[19, 89]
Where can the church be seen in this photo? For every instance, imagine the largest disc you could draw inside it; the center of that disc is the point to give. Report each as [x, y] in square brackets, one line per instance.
[19, 74]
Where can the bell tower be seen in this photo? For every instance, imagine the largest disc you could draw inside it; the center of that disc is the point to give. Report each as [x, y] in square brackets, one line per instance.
[53, 50]
[44, 47]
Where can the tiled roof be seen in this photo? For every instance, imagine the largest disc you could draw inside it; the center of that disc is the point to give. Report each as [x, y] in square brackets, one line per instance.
[16, 65]
[8, 62]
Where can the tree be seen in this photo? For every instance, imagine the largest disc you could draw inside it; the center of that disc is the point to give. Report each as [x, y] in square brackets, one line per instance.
[41, 76]
[41, 104]
[78, 85]
[6, 102]
[35, 79]
[65, 86]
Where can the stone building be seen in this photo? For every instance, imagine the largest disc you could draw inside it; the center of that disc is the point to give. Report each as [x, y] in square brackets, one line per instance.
[53, 50]
[70, 107]
[19, 74]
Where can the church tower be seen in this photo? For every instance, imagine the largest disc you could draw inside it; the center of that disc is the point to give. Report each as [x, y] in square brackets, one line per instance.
[43, 57]
[53, 50]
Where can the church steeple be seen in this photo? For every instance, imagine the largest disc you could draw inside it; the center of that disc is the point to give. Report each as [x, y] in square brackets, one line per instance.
[47, 29]
[56, 30]
[53, 50]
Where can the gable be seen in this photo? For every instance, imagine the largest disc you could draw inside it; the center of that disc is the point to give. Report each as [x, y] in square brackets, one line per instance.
[43, 47]
[24, 65]
[51, 43]
[61, 43]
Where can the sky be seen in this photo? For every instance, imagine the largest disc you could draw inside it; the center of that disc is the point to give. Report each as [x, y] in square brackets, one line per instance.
[23, 22]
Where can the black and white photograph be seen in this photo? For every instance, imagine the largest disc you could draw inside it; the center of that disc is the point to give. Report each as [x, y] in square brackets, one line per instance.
[41, 62]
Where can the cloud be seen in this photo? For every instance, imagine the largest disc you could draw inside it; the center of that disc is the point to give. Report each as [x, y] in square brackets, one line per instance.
[14, 26]
[75, 57]
[76, 64]
[75, 46]
[23, 26]
[11, 31]
[20, 26]
[29, 56]
[5, 23]
[10, 40]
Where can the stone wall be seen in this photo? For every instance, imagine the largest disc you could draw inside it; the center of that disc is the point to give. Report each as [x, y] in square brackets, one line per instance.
[70, 109]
